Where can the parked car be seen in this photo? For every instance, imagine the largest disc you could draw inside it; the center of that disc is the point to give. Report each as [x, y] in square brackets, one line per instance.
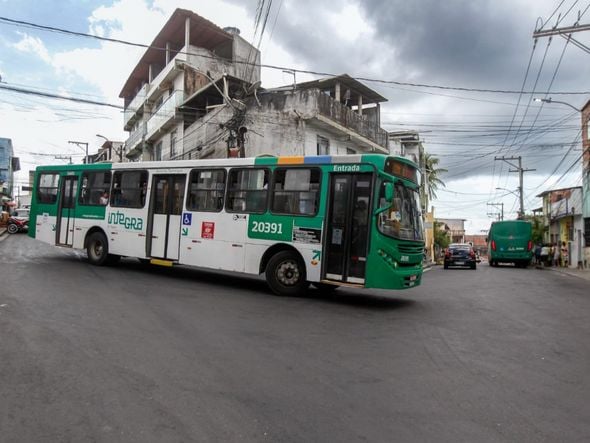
[460, 254]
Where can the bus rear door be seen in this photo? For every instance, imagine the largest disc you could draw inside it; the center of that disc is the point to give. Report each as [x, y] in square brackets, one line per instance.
[65, 224]
[347, 227]
[166, 216]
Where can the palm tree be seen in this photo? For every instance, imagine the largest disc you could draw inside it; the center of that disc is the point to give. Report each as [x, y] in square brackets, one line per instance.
[432, 181]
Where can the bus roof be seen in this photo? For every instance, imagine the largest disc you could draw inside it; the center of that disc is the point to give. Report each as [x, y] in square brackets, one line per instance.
[376, 159]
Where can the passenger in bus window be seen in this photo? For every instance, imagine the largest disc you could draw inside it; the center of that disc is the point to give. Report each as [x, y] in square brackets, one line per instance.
[104, 198]
[143, 192]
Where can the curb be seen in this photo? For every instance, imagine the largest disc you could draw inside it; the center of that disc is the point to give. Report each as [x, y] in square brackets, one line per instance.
[584, 275]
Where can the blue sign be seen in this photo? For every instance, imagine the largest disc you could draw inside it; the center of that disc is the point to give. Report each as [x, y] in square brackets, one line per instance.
[187, 218]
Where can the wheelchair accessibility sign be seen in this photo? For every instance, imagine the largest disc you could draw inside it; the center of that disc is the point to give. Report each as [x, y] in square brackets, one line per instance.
[187, 219]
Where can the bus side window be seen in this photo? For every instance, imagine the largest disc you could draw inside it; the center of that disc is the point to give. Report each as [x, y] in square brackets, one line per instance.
[248, 190]
[296, 191]
[47, 188]
[206, 190]
[129, 189]
[94, 186]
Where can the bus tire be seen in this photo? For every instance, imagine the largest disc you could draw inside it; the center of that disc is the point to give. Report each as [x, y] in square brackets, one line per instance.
[325, 287]
[285, 274]
[97, 249]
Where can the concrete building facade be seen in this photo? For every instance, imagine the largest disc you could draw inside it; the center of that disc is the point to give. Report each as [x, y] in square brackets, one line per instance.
[586, 178]
[202, 98]
[563, 221]
[9, 164]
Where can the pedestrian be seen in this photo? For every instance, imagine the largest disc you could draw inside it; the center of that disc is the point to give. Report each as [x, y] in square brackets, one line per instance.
[564, 255]
[538, 254]
[545, 255]
[556, 254]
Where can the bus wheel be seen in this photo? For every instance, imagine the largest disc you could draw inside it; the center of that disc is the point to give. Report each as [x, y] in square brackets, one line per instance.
[97, 249]
[285, 274]
[325, 287]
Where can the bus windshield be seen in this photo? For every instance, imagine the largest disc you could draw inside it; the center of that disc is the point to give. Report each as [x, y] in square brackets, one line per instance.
[401, 218]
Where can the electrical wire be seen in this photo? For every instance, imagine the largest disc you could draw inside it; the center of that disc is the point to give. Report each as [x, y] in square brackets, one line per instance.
[21, 23]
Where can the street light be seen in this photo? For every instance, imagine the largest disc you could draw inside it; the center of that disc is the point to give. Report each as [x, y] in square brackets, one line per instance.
[550, 100]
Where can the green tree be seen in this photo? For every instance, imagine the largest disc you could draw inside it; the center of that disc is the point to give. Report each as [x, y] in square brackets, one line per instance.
[538, 229]
[432, 182]
[441, 239]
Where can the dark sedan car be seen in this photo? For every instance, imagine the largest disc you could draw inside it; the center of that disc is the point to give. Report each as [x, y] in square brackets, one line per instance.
[460, 254]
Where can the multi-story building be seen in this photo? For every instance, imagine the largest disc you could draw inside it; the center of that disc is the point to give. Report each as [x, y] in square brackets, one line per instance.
[586, 178]
[406, 144]
[9, 164]
[563, 221]
[110, 151]
[454, 228]
[195, 93]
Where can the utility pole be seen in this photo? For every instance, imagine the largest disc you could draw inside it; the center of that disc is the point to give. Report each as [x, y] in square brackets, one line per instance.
[566, 33]
[520, 171]
[79, 144]
[501, 205]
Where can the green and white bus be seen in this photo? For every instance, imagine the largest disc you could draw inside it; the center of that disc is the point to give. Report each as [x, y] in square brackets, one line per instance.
[349, 220]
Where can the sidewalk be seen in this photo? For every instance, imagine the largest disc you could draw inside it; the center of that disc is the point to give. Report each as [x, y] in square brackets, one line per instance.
[572, 272]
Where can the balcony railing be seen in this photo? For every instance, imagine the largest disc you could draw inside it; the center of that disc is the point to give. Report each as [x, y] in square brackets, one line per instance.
[135, 106]
[136, 137]
[350, 119]
[165, 114]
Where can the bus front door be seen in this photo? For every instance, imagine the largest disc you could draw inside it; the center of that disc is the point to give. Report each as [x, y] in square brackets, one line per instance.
[66, 212]
[347, 228]
[165, 216]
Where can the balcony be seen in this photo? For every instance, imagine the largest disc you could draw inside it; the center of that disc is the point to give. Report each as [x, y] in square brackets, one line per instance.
[165, 116]
[135, 108]
[136, 139]
[344, 116]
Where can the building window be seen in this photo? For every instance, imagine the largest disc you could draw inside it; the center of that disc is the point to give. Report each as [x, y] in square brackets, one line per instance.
[94, 185]
[173, 136]
[323, 145]
[587, 231]
[296, 191]
[206, 190]
[158, 151]
[248, 190]
[47, 188]
[129, 189]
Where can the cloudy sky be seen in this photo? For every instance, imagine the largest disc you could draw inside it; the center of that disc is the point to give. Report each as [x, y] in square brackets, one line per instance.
[454, 49]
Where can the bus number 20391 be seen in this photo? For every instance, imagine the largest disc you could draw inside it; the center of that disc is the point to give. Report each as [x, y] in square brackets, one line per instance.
[267, 228]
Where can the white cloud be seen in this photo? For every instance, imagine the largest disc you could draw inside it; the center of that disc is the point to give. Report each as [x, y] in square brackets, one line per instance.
[32, 45]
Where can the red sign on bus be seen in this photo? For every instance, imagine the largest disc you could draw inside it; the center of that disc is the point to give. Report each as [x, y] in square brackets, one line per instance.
[208, 230]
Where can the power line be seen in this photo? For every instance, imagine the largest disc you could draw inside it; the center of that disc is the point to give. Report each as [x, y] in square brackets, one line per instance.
[21, 23]
[3, 85]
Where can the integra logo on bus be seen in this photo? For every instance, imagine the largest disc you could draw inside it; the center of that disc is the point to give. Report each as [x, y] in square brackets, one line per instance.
[118, 218]
[347, 168]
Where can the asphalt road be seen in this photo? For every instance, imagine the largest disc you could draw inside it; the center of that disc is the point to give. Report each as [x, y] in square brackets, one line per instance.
[144, 354]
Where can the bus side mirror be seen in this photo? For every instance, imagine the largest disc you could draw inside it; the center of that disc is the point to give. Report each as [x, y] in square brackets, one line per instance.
[389, 192]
